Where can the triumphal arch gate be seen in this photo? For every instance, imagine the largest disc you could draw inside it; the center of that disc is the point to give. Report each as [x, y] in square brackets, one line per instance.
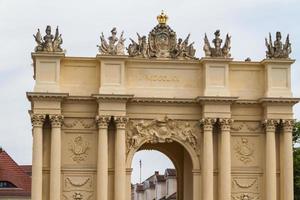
[225, 124]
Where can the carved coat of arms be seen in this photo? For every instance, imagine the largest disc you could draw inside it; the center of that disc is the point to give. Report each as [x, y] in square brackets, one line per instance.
[79, 149]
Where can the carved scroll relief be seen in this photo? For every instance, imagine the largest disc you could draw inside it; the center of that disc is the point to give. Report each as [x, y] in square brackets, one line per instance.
[160, 131]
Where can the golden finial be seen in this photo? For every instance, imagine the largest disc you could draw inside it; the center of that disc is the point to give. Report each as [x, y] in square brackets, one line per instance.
[162, 18]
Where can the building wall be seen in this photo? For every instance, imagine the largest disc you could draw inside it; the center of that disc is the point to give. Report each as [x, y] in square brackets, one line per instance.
[184, 91]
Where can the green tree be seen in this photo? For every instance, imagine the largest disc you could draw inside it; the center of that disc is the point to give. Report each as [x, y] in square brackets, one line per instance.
[296, 143]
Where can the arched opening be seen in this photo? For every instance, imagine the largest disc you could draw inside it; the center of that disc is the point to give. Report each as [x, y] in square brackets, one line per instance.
[182, 162]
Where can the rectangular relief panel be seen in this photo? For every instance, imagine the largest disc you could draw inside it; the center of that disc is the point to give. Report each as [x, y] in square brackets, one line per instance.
[46, 72]
[247, 149]
[79, 143]
[216, 79]
[246, 187]
[113, 74]
[79, 185]
[279, 77]
[112, 77]
[216, 76]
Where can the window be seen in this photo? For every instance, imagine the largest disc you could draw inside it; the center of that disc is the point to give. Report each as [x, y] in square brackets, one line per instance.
[6, 184]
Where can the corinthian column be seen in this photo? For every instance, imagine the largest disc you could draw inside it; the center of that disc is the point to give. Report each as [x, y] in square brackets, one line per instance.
[225, 161]
[207, 159]
[102, 163]
[288, 189]
[120, 159]
[270, 176]
[37, 156]
[55, 165]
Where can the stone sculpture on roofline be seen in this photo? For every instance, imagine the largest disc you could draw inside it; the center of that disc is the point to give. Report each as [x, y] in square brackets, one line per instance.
[48, 43]
[278, 50]
[162, 43]
[114, 46]
[217, 51]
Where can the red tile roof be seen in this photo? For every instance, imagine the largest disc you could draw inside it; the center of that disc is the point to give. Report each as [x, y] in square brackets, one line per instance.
[10, 171]
[27, 169]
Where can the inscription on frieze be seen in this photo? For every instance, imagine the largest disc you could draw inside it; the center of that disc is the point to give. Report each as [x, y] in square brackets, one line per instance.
[160, 78]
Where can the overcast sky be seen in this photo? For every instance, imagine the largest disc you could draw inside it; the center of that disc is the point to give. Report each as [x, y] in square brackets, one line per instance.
[81, 22]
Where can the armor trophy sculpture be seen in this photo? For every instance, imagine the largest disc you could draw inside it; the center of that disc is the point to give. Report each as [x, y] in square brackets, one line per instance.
[48, 43]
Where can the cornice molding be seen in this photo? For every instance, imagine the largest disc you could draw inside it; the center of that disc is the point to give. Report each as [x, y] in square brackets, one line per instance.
[163, 100]
[42, 96]
[47, 55]
[112, 57]
[214, 60]
[162, 60]
[216, 99]
[80, 98]
[277, 61]
[112, 97]
[246, 101]
[278, 100]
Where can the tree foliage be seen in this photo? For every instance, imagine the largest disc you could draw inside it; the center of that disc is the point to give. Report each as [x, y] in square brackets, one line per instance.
[296, 141]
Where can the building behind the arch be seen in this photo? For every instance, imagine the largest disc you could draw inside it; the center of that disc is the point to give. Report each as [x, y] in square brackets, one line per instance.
[157, 186]
[230, 121]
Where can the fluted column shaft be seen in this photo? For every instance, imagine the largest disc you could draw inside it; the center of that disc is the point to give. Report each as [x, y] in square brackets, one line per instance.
[288, 187]
[37, 156]
[120, 159]
[270, 126]
[225, 161]
[55, 165]
[102, 162]
[207, 159]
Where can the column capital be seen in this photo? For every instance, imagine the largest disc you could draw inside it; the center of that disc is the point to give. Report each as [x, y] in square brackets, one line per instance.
[270, 124]
[225, 124]
[121, 121]
[102, 121]
[288, 125]
[37, 120]
[208, 123]
[56, 120]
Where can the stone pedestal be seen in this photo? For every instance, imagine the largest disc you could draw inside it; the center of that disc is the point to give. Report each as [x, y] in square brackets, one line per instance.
[278, 77]
[47, 71]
